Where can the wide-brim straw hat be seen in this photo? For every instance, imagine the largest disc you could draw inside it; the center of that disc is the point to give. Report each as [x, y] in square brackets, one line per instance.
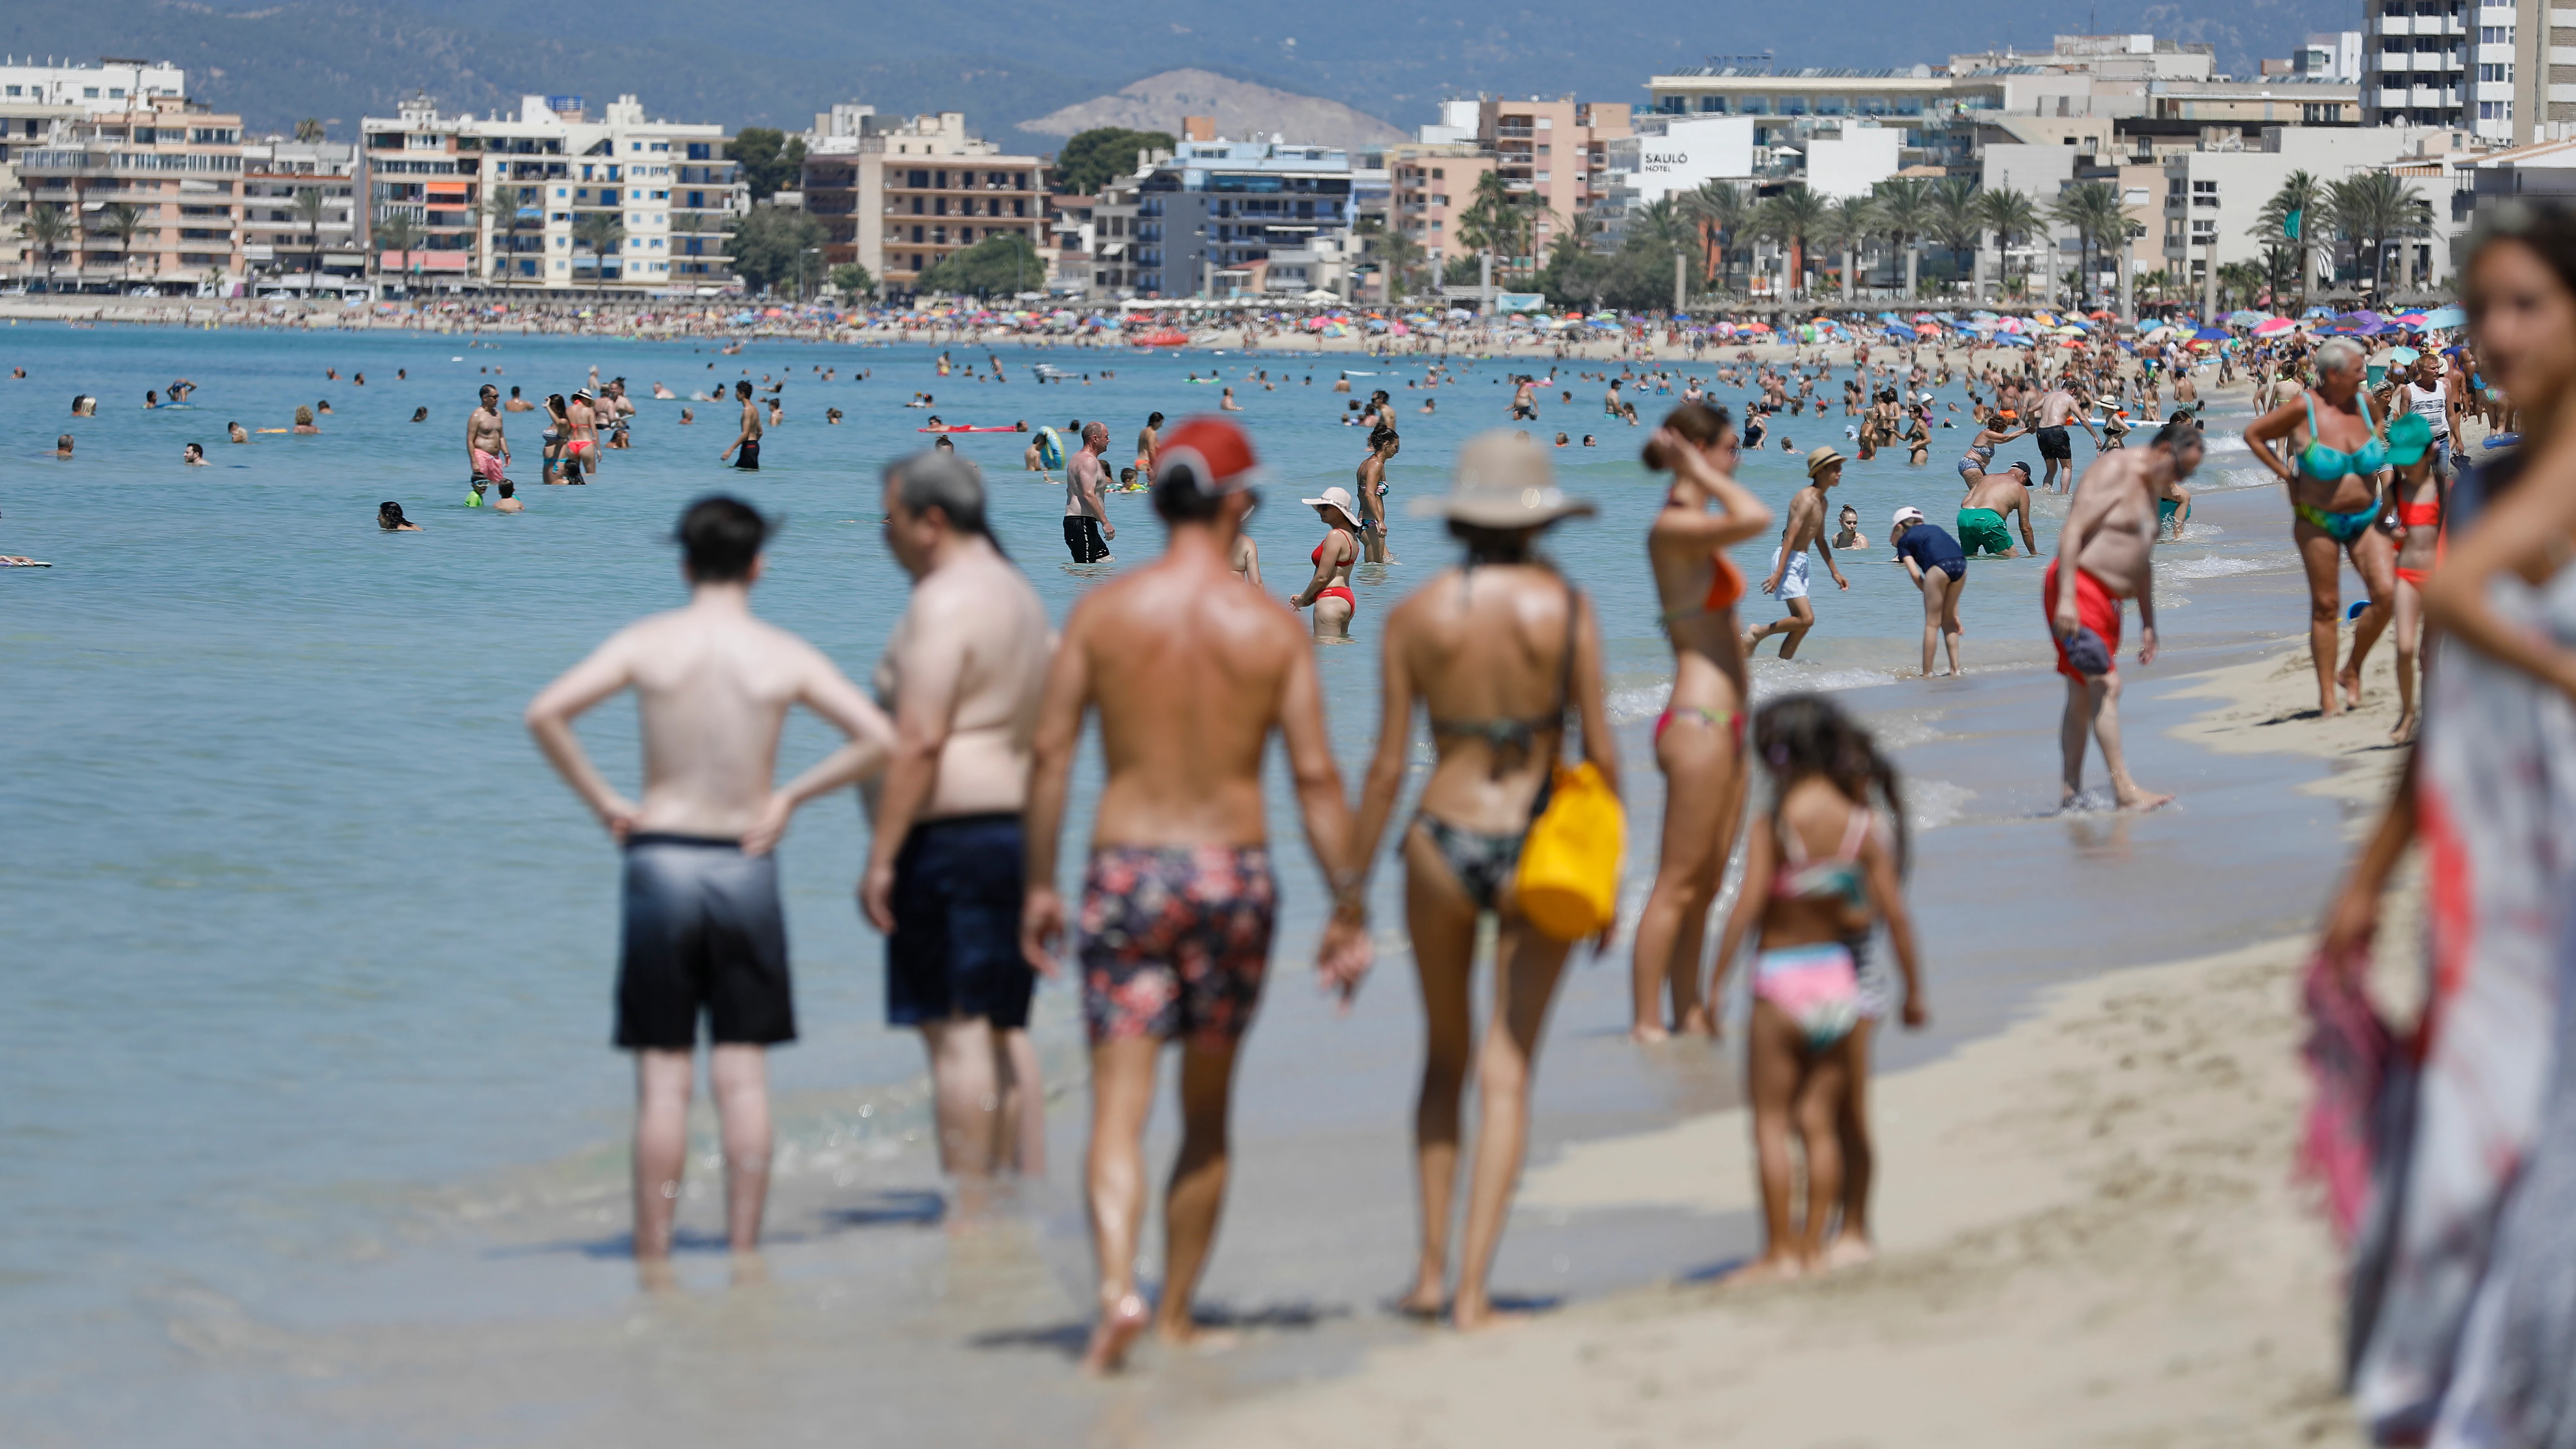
[1502, 480]
[1821, 459]
[1338, 500]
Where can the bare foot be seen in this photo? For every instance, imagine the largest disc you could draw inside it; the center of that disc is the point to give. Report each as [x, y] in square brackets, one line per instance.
[654, 1275]
[1647, 1033]
[2141, 801]
[2350, 679]
[1848, 1251]
[2405, 728]
[1188, 1335]
[1770, 1268]
[1423, 1304]
[1481, 1316]
[1698, 1022]
[1113, 1335]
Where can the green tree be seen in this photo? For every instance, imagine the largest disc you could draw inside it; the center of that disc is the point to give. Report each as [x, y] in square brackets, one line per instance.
[308, 129]
[308, 210]
[852, 280]
[1499, 220]
[1639, 276]
[398, 233]
[1905, 214]
[503, 205]
[1954, 218]
[2012, 216]
[1575, 274]
[1091, 158]
[766, 242]
[1846, 224]
[772, 161]
[1398, 256]
[1791, 218]
[602, 232]
[998, 266]
[2371, 210]
[45, 228]
[122, 221]
[1723, 211]
[2292, 219]
[2091, 210]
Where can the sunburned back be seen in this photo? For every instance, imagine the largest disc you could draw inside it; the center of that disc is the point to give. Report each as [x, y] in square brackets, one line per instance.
[1485, 649]
[712, 690]
[1200, 660]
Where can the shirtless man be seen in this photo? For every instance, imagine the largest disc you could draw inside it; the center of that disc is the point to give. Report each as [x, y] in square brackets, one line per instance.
[1087, 528]
[745, 447]
[2057, 408]
[703, 930]
[1804, 530]
[1994, 500]
[1525, 399]
[2109, 541]
[517, 404]
[1190, 673]
[487, 453]
[581, 424]
[1146, 444]
[961, 675]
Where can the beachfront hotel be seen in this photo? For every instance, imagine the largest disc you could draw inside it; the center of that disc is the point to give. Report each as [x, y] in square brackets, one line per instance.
[149, 192]
[898, 194]
[552, 199]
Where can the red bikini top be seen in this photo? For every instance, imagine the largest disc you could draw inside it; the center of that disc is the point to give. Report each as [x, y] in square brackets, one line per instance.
[1725, 585]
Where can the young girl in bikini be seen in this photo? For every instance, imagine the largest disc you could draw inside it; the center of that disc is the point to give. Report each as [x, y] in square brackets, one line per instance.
[2421, 493]
[1818, 870]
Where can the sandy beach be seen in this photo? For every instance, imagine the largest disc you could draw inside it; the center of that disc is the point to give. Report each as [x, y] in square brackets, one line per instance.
[2089, 1230]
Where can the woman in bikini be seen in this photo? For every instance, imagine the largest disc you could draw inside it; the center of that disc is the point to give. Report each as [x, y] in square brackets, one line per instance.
[1147, 440]
[1816, 873]
[1699, 739]
[1499, 651]
[2336, 450]
[1383, 446]
[558, 439]
[2421, 493]
[1328, 593]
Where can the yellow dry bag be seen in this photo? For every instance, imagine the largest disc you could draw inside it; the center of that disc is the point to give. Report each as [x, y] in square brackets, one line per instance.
[1568, 881]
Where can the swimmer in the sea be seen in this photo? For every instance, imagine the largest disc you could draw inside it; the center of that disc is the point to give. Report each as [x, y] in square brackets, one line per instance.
[194, 455]
[236, 433]
[389, 517]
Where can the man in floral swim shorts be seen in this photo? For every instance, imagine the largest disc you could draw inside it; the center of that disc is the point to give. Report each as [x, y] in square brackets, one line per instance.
[1190, 669]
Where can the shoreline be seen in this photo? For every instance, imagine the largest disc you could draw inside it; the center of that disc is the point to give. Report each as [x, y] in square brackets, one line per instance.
[2088, 1228]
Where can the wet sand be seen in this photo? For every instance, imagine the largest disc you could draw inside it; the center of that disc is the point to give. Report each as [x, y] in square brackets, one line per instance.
[2089, 1231]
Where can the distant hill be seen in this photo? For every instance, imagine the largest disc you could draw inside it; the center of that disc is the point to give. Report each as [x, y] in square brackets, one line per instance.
[777, 63]
[1240, 109]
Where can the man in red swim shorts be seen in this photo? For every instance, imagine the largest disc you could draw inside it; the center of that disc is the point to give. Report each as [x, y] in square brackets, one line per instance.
[2106, 554]
[1190, 672]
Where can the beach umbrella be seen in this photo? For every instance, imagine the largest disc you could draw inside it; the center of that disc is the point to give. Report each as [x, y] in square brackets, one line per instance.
[2243, 318]
[2450, 316]
[2012, 339]
[2209, 334]
[2273, 326]
[1927, 330]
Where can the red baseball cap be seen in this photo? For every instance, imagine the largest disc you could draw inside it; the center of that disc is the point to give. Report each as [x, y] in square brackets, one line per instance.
[1215, 454]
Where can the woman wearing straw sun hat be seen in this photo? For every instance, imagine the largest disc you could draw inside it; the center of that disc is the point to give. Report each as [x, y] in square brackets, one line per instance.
[1329, 591]
[1499, 650]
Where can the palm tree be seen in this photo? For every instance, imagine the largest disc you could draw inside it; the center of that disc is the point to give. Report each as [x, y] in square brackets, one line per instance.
[1398, 255]
[2090, 209]
[1790, 218]
[1499, 221]
[601, 231]
[396, 230]
[2295, 214]
[122, 221]
[2011, 216]
[1904, 215]
[44, 229]
[1848, 221]
[308, 209]
[2373, 209]
[1954, 218]
[501, 206]
[1722, 211]
[308, 129]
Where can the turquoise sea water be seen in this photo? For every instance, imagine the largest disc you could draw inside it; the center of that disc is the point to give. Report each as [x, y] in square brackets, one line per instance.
[312, 953]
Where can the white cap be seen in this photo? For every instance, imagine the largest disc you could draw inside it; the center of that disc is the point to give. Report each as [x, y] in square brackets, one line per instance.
[1909, 514]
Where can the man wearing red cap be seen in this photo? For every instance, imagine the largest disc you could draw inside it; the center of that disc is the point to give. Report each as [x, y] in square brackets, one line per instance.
[1190, 670]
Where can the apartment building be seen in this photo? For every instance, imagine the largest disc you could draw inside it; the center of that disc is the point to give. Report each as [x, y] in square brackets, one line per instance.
[2448, 63]
[1207, 219]
[280, 238]
[898, 194]
[2213, 199]
[176, 165]
[25, 125]
[1430, 188]
[553, 198]
[109, 87]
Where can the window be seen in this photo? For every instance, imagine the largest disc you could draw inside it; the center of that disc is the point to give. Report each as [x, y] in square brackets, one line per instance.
[2495, 72]
[116, 93]
[1438, 175]
[89, 93]
[2495, 110]
[2495, 35]
[1712, 105]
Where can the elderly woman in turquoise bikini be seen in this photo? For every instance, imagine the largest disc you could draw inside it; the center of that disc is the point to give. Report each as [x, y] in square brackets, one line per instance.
[2338, 452]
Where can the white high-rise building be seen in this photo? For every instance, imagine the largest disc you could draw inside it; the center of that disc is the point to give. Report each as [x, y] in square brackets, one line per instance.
[103, 86]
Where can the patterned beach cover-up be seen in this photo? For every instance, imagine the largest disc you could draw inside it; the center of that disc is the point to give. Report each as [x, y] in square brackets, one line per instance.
[2495, 798]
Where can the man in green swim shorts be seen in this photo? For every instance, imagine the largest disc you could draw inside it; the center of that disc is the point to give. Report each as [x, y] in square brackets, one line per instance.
[1992, 498]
